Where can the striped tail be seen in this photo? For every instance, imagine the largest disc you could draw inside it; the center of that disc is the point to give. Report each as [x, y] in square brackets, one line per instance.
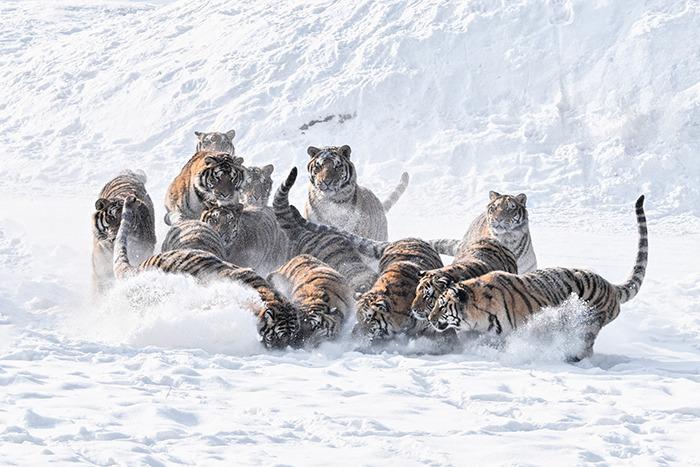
[445, 246]
[280, 204]
[396, 194]
[120, 259]
[629, 289]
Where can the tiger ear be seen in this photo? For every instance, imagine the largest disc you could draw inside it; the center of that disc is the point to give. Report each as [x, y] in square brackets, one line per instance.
[521, 198]
[461, 294]
[211, 160]
[237, 160]
[345, 151]
[493, 195]
[101, 203]
[198, 134]
[312, 151]
[421, 273]
[230, 134]
[268, 169]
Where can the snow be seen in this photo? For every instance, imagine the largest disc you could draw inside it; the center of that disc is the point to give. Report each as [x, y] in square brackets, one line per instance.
[582, 105]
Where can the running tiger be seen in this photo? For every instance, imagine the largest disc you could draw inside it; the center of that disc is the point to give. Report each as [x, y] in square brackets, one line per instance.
[257, 186]
[483, 256]
[278, 320]
[336, 199]
[332, 248]
[321, 294]
[216, 142]
[506, 220]
[194, 235]
[251, 236]
[500, 302]
[207, 178]
[106, 220]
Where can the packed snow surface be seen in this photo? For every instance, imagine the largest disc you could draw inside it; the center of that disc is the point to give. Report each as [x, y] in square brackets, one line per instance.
[582, 105]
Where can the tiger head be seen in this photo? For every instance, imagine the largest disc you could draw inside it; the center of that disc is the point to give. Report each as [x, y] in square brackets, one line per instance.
[330, 168]
[107, 217]
[432, 283]
[218, 178]
[278, 325]
[454, 309]
[225, 220]
[506, 213]
[257, 185]
[377, 319]
[319, 322]
[216, 142]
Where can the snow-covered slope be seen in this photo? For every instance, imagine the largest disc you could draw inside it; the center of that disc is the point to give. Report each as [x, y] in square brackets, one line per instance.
[582, 105]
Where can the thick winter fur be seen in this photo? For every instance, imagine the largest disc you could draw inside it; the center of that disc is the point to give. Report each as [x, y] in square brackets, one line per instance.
[208, 178]
[216, 142]
[257, 186]
[278, 320]
[330, 247]
[500, 302]
[194, 235]
[252, 237]
[483, 256]
[321, 294]
[106, 220]
[385, 310]
[506, 220]
[336, 199]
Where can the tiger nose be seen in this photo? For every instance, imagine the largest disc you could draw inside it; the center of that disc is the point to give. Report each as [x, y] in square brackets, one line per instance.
[324, 186]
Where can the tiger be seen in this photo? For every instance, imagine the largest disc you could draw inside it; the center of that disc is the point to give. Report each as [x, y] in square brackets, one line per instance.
[106, 220]
[252, 237]
[500, 302]
[194, 235]
[216, 142]
[505, 220]
[336, 199]
[483, 256]
[207, 178]
[257, 186]
[332, 248]
[322, 295]
[278, 319]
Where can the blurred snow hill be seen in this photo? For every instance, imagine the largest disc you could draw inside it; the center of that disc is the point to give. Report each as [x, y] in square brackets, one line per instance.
[585, 103]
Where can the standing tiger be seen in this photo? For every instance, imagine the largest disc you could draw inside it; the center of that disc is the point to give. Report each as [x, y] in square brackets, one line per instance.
[194, 235]
[251, 236]
[106, 220]
[257, 186]
[500, 302]
[216, 142]
[506, 220]
[207, 178]
[321, 294]
[483, 256]
[336, 199]
[278, 320]
[330, 247]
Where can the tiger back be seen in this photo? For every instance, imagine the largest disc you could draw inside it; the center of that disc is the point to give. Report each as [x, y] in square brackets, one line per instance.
[480, 257]
[500, 302]
[194, 235]
[336, 199]
[107, 218]
[506, 220]
[321, 294]
[208, 178]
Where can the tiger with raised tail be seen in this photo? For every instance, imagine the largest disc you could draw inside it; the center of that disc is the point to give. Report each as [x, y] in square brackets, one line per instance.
[480, 257]
[506, 220]
[278, 320]
[252, 237]
[500, 302]
[208, 178]
[257, 186]
[216, 142]
[330, 247]
[107, 218]
[321, 294]
[336, 199]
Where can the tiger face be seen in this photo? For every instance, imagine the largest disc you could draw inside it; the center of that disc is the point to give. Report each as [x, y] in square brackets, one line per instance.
[319, 323]
[278, 325]
[257, 185]
[225, 220]
[216, 142]
[377, 319]
[505, 213]
[107, 218]
[447, 311]
[220, 178]
[430, 287]
[330, 168]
